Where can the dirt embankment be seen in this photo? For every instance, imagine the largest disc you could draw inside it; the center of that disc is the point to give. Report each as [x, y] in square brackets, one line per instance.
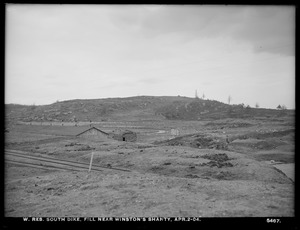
[262, 134]
[199, 174]
[196, 141]
[58, 194]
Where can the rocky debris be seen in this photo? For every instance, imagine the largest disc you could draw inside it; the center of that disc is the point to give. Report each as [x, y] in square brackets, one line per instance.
[145, 146]
[195, 156]
[217, 164]
[223, 176]
[72, 144]
[217, 160]
[81, 148]
[196, 141]
[220, 157]
[259, 134]
[85, 148]
[267, 145]
[191, 176]
[222, 125]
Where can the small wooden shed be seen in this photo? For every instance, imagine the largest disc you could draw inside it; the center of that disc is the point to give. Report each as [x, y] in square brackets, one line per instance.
[124, 135]
[93, 133]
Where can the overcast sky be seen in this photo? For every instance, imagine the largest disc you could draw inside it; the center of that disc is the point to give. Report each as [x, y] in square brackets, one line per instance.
[63, 52]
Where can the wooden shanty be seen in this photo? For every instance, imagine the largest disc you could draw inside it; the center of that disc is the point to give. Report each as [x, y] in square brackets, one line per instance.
[93, 133]
[123, 135]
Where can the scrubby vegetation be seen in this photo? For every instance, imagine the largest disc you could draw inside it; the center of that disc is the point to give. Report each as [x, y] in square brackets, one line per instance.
[135, 108]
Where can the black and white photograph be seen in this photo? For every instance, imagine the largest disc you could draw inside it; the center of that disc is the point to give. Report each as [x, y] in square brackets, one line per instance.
[149, 111]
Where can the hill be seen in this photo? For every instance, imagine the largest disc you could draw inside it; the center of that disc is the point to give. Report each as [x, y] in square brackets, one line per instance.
[135, 109]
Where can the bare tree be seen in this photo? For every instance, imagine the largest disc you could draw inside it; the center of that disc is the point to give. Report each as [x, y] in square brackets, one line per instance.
[203, 96]
[283, 107]
[256, 105]
[279, 107]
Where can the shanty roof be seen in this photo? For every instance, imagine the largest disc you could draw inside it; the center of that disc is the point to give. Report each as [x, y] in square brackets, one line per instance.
[90, 129]
[118, 131]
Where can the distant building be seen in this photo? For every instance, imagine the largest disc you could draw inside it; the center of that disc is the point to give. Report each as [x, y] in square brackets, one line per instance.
[93, 133]
[123, 135]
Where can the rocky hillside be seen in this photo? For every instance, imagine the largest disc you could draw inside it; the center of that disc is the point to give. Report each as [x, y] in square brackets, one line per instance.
[198, 109]
[134, 109]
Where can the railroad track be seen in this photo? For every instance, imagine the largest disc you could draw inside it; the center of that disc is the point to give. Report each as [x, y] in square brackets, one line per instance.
[23, 158]
[39, 166]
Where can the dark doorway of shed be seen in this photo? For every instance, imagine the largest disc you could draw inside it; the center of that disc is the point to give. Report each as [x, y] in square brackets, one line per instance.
[123, 138]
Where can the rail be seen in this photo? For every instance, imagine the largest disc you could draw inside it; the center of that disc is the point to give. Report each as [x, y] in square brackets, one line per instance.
[24, 157]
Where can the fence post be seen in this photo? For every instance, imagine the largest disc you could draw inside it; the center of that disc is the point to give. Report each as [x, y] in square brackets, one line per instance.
[91, 162]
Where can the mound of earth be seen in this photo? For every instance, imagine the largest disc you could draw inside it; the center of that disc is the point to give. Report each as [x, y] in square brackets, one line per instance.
[217, 160]
[264, 134]
[255, 144]
[268, 144]
[196, 141]
[188, 162]
[222, 125]
[119, 194]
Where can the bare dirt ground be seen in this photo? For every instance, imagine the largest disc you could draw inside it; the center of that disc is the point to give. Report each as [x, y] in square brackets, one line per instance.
[194, 175]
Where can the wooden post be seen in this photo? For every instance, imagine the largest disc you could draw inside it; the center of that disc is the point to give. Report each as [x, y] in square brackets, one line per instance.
[91, 162]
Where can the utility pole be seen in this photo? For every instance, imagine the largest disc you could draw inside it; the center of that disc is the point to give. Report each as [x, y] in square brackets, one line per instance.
[196, 95]
[229, 99]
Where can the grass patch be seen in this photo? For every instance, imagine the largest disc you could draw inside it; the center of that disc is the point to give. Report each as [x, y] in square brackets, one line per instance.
[285, 158]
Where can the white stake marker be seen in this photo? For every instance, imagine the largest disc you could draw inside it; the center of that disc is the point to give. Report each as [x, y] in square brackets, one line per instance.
[91, 161]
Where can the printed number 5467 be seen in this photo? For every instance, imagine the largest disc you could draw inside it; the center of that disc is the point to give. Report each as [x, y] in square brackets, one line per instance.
[269, 220]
